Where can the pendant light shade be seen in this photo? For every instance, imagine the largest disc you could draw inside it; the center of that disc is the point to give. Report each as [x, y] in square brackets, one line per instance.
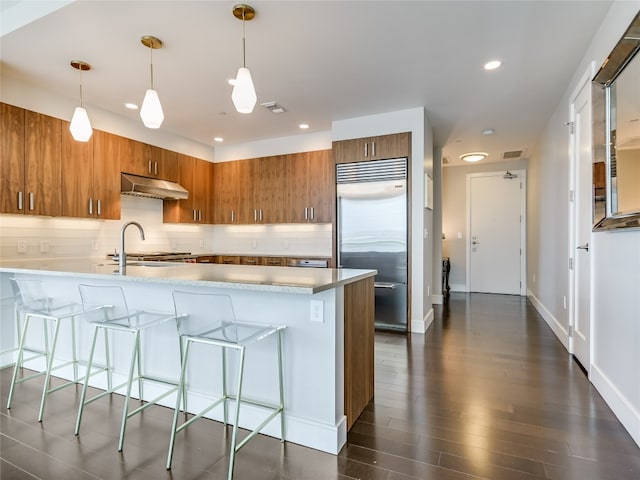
[80, 126]
[244, 93]
[151, 111]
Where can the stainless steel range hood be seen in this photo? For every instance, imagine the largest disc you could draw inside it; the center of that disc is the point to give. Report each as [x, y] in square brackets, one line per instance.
[151, 187]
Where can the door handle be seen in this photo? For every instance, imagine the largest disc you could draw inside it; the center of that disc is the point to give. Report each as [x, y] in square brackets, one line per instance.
[583, 247]
[388, 285]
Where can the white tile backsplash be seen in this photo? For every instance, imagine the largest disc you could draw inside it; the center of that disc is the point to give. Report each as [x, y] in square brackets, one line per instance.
[69, 237]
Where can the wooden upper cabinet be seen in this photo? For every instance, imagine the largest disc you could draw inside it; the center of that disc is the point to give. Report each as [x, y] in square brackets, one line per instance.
[106, 174]
[196, 176]
[372, 148]
[311, 188]
[148, 160]
[225, 186]
[42, 164]
[91, 176]
[11, 158]
[269, 190]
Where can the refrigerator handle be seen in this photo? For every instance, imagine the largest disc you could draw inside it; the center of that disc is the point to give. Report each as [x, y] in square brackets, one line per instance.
[388, 285]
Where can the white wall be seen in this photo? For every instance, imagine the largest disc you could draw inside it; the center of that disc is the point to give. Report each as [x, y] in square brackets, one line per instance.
[615, 331]
[454, 214]
[421, 251]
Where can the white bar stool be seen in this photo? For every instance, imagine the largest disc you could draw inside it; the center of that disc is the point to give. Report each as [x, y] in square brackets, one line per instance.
[210, 319]
[32, 303]
[106, 309]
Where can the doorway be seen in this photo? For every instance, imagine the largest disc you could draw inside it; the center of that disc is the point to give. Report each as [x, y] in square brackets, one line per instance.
[496, 226]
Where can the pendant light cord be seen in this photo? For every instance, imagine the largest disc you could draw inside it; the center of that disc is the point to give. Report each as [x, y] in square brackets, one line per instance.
[244, 43]
[151, 62]
[81, 105]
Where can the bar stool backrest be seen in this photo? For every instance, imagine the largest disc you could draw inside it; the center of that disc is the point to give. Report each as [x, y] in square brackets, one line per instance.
[105, 304]
[29, 295]
[206, 315]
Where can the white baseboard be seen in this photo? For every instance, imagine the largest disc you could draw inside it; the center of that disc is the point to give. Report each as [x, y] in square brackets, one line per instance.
[621, 407]
[437, 299]
[458, 287]
[557, 327]
[421, 326]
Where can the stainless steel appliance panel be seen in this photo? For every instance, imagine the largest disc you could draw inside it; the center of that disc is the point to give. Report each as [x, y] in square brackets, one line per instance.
[372, 234]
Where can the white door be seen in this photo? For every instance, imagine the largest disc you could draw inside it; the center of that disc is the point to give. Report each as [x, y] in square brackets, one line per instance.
[581, 158]
[496, 226]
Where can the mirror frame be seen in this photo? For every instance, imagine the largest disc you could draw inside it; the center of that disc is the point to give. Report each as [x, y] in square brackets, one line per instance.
[622, 54]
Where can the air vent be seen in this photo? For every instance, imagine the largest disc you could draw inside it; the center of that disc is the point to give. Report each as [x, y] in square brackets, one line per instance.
[273, 107]
[445, 161]
[379, 170]
[512, 155]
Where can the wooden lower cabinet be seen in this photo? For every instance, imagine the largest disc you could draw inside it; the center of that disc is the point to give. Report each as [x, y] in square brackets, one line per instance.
[359, 305]
[275, 261]
[229, 259]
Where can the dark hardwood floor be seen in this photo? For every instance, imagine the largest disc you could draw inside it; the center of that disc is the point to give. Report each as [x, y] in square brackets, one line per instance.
[488, 392]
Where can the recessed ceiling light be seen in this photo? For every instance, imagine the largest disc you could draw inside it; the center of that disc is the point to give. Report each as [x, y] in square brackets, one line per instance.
[303, 126]
[218, 139]
[492, 65]
[474, 156]
[488, 131]
[131, 106]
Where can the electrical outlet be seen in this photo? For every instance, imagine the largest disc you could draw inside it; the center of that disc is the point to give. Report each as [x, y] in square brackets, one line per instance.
[201, 243]
[317, 311]
[174, 244]
[459, 234]
[22, 246]
[254, 244]
[534, 278]
[564, 302]
[285, 244]
[44, 246]
[95, 245]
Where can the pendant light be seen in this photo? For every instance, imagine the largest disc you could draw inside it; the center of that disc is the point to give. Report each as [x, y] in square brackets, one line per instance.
[244, 94]
[80, 127]
[151, 110]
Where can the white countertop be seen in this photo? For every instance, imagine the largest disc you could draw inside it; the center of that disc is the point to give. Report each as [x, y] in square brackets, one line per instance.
[245, 277]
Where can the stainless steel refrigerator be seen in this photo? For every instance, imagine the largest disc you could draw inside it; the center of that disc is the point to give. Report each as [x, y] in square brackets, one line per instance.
[372, 231]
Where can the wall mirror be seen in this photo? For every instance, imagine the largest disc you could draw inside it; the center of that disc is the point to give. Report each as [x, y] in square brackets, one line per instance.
[616, 135]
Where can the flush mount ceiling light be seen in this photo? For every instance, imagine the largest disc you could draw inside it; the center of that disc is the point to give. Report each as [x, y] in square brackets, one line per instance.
[244, 94]
[151, 110]
[492, 65]
[80, 127]
[488, 131]
[473, 156]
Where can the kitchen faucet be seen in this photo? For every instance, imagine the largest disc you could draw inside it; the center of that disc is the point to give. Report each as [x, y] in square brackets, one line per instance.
[122, 258]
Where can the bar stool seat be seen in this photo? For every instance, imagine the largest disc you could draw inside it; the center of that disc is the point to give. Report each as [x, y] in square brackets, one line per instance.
[31, 302]
[106, 310]
[210, 319]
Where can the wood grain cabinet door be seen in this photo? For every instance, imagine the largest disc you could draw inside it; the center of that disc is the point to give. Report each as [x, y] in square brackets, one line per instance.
[43, 166]
[269, 191]
[310, 187]
[225, 205]
[77, 175]
[372, 148]
[107, 152]
[11, 158]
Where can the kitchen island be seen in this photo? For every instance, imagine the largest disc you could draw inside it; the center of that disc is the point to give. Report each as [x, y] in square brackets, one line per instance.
[328, 344]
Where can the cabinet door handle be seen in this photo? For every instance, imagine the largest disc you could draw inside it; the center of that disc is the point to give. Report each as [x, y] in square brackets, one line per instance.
[199, 215]
[19, 200]
[31, 202]
[149, 169]
[99, 209]
[156, 168]
[91, 206]
[255, 215]
[373, 149]
[260, 214]
[306, 215]
[194, 215]
[366, 150]
[312, 214]
[233, 216]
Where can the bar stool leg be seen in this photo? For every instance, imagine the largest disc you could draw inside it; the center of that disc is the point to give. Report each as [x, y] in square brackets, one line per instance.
[18, 364]
[281, 385]
[225, 395]
[47, 378]
[107, 359]
[180, 396]
[234, 436]
[74, 352]
[183, 391]
[140, 381]
[83, 395]
[125, 411]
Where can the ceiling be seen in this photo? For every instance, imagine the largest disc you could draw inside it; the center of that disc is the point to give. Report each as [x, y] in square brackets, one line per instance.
[320, 60]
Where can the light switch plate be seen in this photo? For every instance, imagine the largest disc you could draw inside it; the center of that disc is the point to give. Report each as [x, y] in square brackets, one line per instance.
[317, 311]
[22, 246]
[44, 246]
